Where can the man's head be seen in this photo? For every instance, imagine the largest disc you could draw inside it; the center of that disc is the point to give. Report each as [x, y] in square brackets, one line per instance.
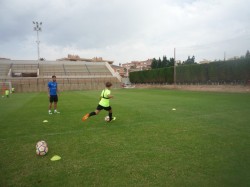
[54, 78]
[108, 84]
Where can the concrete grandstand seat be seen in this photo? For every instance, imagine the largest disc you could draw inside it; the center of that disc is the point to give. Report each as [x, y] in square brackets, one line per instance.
[70, 75]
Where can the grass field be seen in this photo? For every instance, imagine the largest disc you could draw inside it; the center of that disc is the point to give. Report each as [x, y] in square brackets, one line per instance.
[204, 142]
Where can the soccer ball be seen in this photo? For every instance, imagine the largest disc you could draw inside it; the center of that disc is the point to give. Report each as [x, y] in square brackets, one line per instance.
[41, 148]
[106, 118]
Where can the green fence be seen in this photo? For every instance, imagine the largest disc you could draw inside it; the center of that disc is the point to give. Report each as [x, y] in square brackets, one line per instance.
[222, 72]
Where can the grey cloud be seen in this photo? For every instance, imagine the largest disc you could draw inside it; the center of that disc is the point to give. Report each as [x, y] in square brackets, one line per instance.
[117, 28]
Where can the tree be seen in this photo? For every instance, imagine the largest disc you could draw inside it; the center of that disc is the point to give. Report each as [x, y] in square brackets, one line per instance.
[190, 60]
[164, 62]
[193, 59]
[171, 62]
[159, 63]
[247, 54]
[154, 64]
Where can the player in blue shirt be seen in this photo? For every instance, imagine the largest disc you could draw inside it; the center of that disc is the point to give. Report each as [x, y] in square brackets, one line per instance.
[52, 94]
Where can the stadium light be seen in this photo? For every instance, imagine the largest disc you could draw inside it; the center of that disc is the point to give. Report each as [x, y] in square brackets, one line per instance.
[37, 28]
[174, 69]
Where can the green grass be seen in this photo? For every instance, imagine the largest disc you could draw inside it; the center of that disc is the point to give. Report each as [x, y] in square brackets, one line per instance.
[205, 142]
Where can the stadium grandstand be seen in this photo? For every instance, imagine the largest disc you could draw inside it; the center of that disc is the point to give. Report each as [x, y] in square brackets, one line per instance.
[33, 75]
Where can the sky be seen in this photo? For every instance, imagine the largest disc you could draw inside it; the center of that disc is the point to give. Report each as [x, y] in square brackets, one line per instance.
[125, 30]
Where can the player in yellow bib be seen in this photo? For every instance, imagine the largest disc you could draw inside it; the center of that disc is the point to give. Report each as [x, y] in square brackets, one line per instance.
[7, 93]
[105, 96]
[103, 104]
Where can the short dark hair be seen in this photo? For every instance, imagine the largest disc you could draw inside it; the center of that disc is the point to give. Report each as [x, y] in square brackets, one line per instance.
[108, 84]
[53, 76]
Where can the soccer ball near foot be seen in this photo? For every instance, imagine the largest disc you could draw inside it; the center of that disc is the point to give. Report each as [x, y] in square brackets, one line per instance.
[106, 118]
[41, 148]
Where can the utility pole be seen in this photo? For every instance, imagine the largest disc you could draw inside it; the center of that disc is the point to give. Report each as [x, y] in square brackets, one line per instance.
[37, 28]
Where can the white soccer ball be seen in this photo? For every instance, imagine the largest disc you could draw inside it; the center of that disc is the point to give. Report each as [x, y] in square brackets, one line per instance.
[106, 118]
[41, 148]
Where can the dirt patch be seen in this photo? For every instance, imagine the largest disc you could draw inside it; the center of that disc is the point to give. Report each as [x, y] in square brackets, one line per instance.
[207, 88]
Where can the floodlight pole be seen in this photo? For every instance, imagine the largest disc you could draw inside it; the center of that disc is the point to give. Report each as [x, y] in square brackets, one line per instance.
[174, 69]
[37, 28]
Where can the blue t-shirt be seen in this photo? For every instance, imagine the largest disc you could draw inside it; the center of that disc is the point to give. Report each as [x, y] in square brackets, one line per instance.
[52, 88]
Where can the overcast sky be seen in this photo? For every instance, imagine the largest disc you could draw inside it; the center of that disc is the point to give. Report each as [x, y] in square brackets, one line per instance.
[125, 30]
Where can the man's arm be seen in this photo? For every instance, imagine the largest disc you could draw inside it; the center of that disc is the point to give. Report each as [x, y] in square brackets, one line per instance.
[48, 92]
[57, 90]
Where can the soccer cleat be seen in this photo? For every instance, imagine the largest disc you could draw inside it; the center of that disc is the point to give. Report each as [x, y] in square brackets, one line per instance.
[85, 117]
[50, 112]
[113, 119]
[56, 112]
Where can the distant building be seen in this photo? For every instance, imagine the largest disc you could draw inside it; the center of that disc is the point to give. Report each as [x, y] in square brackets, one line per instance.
[178, 62]
[234, 58]
[120, 70]
[77, 58]
[137, 66]
[4, 58]
[204, 61]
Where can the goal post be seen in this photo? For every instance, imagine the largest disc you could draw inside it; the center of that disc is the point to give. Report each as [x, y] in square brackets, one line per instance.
[5, 86]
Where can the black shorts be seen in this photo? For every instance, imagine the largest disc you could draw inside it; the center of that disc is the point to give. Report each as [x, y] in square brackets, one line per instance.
[53, 98]
[100, 107]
